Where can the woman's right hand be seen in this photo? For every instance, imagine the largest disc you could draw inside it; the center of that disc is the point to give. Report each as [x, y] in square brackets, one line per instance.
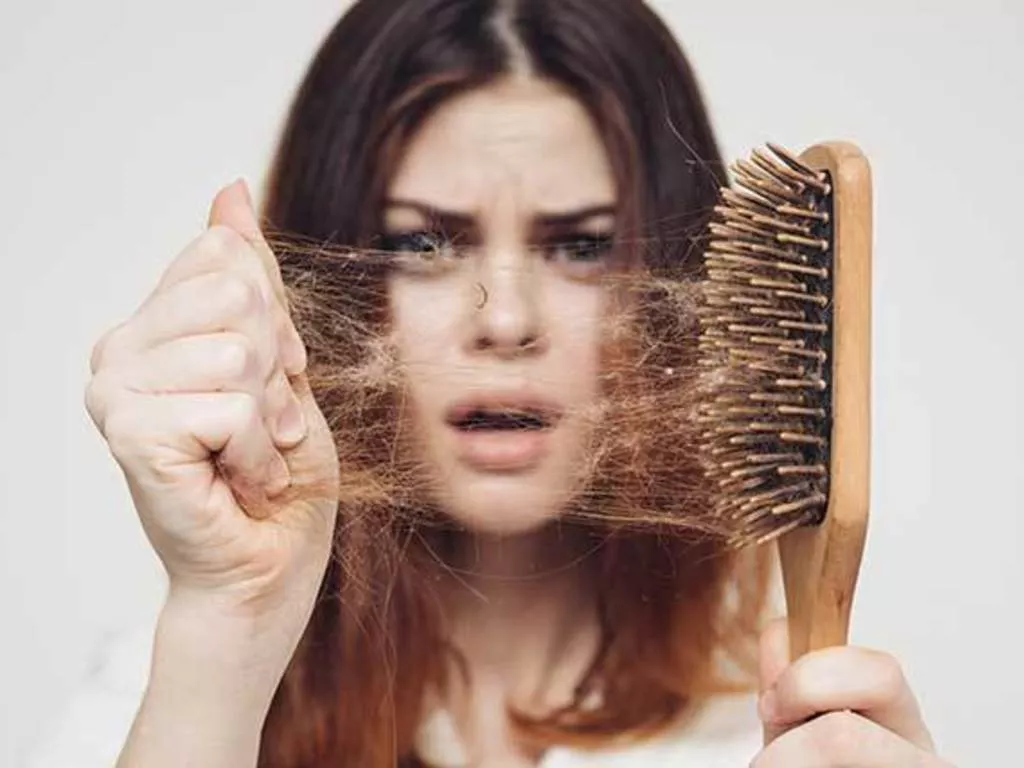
[202, 398]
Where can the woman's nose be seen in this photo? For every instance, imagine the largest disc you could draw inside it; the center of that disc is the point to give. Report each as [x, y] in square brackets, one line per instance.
[505, 306]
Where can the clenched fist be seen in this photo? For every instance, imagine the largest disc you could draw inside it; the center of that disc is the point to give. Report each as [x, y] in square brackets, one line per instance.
[202, 398]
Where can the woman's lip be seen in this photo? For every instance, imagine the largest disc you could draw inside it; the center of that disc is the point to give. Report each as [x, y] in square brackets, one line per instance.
[501, 450]
[549, 412]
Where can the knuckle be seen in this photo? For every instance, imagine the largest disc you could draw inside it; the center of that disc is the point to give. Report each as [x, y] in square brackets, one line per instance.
[237, 359]
[244, 411]
[237, 297]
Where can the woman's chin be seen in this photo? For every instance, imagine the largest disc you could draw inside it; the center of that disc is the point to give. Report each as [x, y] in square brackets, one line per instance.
[504, 505]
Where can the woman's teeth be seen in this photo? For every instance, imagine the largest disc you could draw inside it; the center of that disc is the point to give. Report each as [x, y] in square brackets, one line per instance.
[501, 420]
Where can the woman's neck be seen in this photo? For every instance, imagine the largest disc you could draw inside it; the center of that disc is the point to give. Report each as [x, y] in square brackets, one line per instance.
[522, 612]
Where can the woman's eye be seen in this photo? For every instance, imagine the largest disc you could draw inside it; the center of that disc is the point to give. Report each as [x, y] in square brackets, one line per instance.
[422, 243]
[419, 249]
[582, 250]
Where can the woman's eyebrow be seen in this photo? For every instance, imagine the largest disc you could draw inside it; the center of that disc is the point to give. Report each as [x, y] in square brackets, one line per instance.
[460, 220]
[436, 216]
[571, 218]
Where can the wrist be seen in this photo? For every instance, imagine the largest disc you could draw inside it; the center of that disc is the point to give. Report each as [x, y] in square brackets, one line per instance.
[226, 653]
[210, 685]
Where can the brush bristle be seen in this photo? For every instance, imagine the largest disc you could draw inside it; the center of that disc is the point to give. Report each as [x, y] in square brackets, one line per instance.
[765, 348]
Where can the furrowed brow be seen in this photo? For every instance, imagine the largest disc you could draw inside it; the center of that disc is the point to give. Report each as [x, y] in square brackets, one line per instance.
[454, 220]
[569, 219]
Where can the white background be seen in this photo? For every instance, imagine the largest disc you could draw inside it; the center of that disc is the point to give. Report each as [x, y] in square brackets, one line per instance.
[118, 121]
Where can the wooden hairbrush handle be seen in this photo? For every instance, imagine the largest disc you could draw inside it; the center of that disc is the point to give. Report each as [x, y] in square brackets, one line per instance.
[820, 564]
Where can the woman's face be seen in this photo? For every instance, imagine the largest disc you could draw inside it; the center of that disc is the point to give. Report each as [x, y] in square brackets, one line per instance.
[502, 214]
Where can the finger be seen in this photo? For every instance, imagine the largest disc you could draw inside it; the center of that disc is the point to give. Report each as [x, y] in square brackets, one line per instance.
[287, 420]
[205, 304]
[220, 362]
[155, 438]
[846, 678]
[250, 463]
[773, 660]
[224, 362]
[216, 280]
[843, 739]
[233, 208]
[221, 249]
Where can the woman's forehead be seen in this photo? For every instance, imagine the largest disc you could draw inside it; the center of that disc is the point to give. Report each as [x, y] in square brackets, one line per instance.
[524, 140]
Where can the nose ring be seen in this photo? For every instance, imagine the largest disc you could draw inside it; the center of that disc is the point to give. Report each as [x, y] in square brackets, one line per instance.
[482, 301]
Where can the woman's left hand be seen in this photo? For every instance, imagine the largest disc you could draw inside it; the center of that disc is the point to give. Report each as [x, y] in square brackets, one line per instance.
[836, 707]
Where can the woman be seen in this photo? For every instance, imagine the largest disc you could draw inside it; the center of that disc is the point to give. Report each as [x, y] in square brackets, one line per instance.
[424, 529]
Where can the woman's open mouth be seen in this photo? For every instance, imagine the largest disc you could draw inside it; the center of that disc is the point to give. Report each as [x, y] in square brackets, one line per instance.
[502, 432]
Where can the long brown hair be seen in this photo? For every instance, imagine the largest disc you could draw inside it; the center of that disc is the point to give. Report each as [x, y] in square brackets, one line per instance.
[672, 600]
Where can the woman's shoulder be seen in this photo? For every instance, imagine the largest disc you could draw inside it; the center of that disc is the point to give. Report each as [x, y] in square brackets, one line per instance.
[90, 728]
[723, 733]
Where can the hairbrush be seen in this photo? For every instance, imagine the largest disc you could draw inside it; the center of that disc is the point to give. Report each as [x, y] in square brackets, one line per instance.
[784, 359]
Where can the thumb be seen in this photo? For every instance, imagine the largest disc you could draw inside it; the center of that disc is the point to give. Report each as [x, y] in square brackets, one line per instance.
[233, 207]
[773, 660]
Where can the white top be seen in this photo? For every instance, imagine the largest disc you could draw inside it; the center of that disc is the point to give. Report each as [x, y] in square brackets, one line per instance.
[95, 724]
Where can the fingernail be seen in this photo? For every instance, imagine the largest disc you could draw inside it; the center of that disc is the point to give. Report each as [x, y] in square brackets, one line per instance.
[767, 706]
[279, 476]
[291, 424]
